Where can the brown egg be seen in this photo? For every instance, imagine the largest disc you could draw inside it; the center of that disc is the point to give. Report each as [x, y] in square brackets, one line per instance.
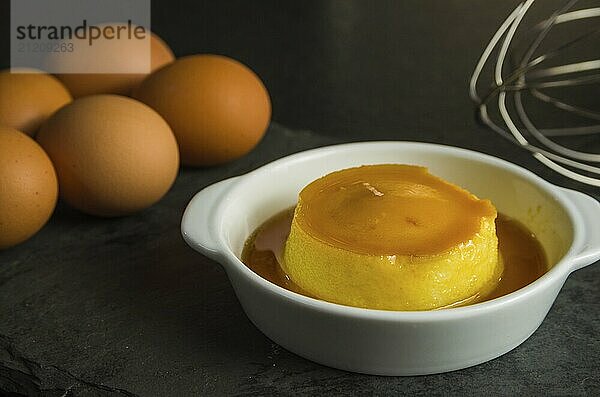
[113, 155]
[28, 187]
[81, 84]
[217, 107]
[27, 99]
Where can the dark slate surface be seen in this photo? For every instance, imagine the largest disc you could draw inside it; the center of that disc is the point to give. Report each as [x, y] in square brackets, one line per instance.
[124, 307]
[94, 307]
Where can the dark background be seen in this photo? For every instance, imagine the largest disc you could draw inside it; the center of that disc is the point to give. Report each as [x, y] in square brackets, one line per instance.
[121, 306]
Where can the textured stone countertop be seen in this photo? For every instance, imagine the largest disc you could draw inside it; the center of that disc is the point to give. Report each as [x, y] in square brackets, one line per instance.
[123, 307]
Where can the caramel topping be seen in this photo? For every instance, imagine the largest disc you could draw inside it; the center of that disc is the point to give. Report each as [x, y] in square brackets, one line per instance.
[390, 209]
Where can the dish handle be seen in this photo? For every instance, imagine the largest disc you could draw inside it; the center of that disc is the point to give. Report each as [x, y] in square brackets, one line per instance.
[589, 208]
[198, 224]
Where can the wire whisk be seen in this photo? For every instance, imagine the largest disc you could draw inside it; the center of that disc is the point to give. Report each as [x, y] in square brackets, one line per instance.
[532, 74]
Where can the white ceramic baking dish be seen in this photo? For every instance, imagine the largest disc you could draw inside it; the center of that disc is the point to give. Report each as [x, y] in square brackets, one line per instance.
[219, 219]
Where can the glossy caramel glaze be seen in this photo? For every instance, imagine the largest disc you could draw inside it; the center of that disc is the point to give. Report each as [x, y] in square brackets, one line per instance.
[390, 209]
[523, 256]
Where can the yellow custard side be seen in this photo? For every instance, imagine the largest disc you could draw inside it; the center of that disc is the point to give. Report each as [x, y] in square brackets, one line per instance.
[392, 237]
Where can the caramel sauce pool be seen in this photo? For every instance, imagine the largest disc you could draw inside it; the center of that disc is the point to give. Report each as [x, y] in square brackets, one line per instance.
[523, 256]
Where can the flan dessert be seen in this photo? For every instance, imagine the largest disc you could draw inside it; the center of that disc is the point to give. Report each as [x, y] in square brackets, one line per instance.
[392, 237]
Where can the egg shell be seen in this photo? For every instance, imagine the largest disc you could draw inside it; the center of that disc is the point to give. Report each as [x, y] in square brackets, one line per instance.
[113, 155]
[28, 98]
[82, 84]
[28, 187]
[218, 108]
